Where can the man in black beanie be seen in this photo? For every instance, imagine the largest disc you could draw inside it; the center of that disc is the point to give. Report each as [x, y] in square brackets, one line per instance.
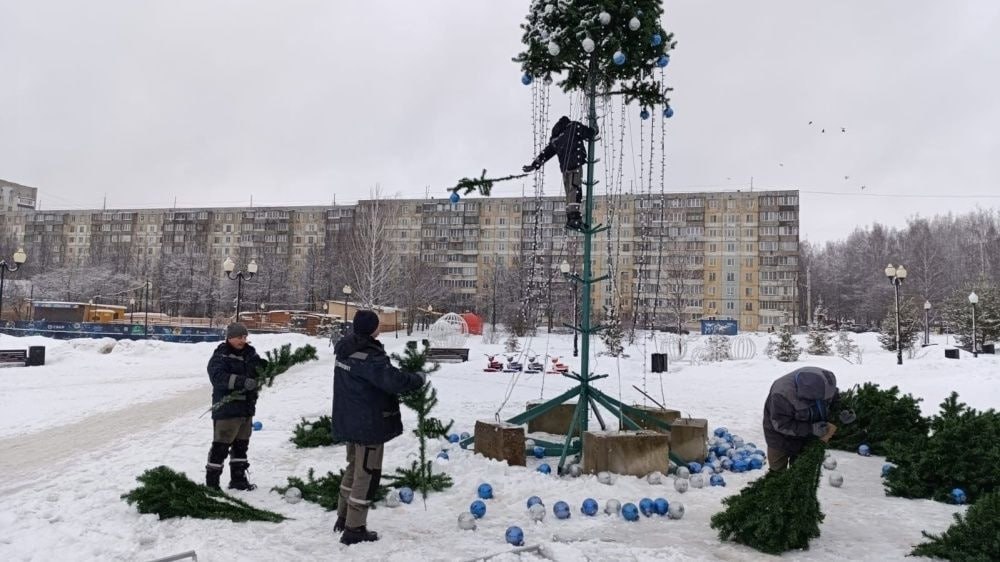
[233, 373]
[366, 387]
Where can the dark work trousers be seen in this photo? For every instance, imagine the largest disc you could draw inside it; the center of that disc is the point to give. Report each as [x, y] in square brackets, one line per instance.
[572, 180]
[360, 483]
[778, 460]
[233, 432]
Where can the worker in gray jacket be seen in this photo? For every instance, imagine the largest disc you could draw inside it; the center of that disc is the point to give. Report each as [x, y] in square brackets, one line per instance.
[797, 411]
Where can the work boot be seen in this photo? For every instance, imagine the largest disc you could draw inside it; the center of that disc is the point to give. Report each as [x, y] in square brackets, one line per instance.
[574, 220]
[354, 535]
[238, 476]
[212, 478]
[340, 524]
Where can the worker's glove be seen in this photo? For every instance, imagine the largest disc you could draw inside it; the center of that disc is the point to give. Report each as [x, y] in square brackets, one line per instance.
[529, 168]
[819, 429]
[249, 383]
[847, 416]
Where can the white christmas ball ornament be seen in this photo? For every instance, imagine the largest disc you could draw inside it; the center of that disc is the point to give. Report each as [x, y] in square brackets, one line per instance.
[392, 500]
[466, 521]
[676, 510]
[683, 472]
[574, 470]
[293, 495]
[655, 478]
[836, 479]
[830, 463]
[537, 512]
[553, 49]
[681, 485]
[604, 18]
[588, 45]
[613, 507]
[697, 481]
[604, 477]
[634, 24]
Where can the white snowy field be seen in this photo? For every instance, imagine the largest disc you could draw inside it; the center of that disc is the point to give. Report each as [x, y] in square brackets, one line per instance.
[75, 433]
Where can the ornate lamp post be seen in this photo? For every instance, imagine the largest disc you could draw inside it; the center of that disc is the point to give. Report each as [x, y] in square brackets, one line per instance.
[347, 290]
[927, 325]
[974, 300]
[229, 267]
[565, 269]
[896, 276]
[19, 258]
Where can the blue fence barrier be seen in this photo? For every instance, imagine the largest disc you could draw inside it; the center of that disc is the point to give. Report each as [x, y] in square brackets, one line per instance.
[71, 330]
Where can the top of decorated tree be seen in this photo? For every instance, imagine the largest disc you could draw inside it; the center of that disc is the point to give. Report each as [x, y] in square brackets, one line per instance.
[618, 44]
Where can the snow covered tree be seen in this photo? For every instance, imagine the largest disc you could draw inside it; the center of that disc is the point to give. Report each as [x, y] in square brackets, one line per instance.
[819, 339]
[771, 348]
[512, 344]
[958, 313]
[613, 334]
[718, 348]
[373, 261]
[909, 326]
[845, 346]
[788, 350]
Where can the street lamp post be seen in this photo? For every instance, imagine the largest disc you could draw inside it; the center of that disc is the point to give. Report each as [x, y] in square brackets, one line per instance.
[927, 325]
[347, 290]
[19, 258]
[896, 276]
[974, 300]
[145, 308]
[131, 311]
[564, 268]
[229, 267]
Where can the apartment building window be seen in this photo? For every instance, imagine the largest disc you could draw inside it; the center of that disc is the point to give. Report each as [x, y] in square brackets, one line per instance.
[748, 306]
[730, 277]
[748, 292]
[748, 277]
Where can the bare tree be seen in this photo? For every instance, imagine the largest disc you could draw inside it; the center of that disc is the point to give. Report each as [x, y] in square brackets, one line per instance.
[373, 262]
[418, 285]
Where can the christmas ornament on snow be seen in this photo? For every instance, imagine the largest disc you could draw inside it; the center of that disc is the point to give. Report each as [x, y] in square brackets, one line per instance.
[836, 479]
[676, 510]
[634, 24]
[514, 535]
[681, 485]
[392, 500]
[544, 468]
[538, 451]
[973, 535]
[630, 512]
[886, 469]
[957, 496]
[561, 510]
[465, 435]
[683, 472]
[830, 463]
[589, 507]
[697, 481]
[536, 512]
[717, 480]
[257, 426]
[613, 507]
[405, 494]
[647, 507]
[477, 509]
[293, 495]
[534, 500]
[575, 470]
[443, 455]
[604, 477]
[655, 478]
[864, 450]
[485, 491]
[467, 522]
[661, 505]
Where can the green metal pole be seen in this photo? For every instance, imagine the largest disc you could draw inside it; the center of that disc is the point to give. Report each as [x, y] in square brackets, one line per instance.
[588, 219]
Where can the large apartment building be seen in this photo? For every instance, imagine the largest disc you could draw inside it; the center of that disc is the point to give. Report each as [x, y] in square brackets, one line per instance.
[670, 257]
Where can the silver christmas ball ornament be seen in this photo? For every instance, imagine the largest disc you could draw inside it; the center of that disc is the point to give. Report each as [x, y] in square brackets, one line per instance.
[683, 472]
[293, 495]
[830, 463]
[681, 485]
[467, 521]
[604, 18]
[836, 479]
[604, 477]
[655, 478]
[553, 49]
[588, 45]
[613, 507]
[537, 512]
[634, 24]
[676, 510]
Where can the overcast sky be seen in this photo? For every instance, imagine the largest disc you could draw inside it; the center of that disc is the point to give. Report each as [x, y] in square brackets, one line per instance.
[298, 102]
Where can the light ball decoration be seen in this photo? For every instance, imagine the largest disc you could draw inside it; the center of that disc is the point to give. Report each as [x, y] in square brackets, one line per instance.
[618, 58]
[613, 507]
[392, 499]
[836, 479]
[663, 60]
[681, 485]
[537, 512]
[526, 79]
[830, 463]
[406, 494]
[743, 349]
[589, 507]
[676, 510]
[668, 112]
[644, 114]
[553, 48]
[655, 478]
[561, 510]
[588, 45]
[656, 39]
[604, 477]
[661, 505]
[514, 534]
[534, 500]
[544, 468]
[466, 521]
[634, 24]
[864, 450]
[485, 491]
[455, 197]
[451, 330]
[647, 507]
[293, 495]
[630, 512]
[604, 18]
[683, 472]
[697, 481]
[575, 470]
[477, 509]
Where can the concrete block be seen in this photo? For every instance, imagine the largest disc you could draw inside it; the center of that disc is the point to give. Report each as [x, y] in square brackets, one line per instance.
[666, 415]
[555, 421]
[689, 438]
[500, 441]
[635, 453]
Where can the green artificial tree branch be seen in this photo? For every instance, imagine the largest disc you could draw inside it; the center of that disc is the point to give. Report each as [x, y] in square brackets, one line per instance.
[481, 184]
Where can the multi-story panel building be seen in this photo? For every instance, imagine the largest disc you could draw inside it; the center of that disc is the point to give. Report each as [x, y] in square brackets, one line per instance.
[674, 257]
[17, 197]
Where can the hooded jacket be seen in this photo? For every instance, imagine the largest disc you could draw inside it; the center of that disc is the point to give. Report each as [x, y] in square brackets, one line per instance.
[228, 369]
[366, 387]
[797, 401]
[567, 143]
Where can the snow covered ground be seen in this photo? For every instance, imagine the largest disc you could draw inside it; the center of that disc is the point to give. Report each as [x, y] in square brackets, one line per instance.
[75, 433]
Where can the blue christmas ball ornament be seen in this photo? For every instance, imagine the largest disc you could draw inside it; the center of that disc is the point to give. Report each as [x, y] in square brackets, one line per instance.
[477, 509]
[759, 452]
[662, 61]
[655, 40]
[886, 469]
[958, 496]
[720, 431]
[257, 426]
[694, 467]
[618, 58]
[756, 462]
[538, 451]
[465, 435]
[589, 507]
[751, 445]
[455, 198]
[661, 505]
[533, 500]
[544, 468]
[722, 448]
[732, 454]
[717, 480]
[526, 79]
[668, 112]
[443, 455]
[630, 512]
[864, 450]
[405, 494]
[561, 510]
[453, 438]
[644, 114]
[485, 491]
[738, 441]
[647, 507]
[727, 464]
[514, 536]
[740, 465]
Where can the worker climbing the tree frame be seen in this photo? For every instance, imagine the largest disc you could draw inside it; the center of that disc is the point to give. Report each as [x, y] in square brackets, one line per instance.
[567, 143]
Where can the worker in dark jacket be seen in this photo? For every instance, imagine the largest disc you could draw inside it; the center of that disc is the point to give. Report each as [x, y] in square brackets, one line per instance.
[797, 410]
[233, 371]
[567, 143]
[366, 387]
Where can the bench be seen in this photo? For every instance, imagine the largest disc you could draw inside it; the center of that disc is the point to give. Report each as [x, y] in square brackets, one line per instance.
[13, 356]
[448, 354]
